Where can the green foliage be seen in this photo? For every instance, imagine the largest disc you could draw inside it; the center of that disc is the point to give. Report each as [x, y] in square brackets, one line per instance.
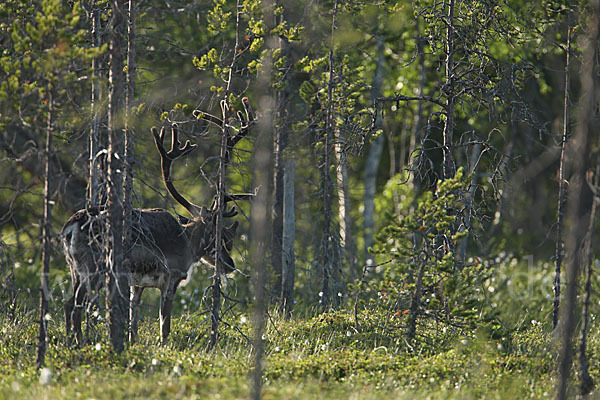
[420, 266]
[305, 358]
[479, 331]
[42, 48]
[44, 56]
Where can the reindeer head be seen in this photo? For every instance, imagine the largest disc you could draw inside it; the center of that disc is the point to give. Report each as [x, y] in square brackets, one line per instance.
[200, 229]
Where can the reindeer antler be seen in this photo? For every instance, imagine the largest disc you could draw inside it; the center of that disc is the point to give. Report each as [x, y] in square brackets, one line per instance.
[176, 151]
[208, 118]
[166, 158]
[246, 119]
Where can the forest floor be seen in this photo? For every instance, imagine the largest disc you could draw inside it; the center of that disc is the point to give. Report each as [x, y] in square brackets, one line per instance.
[306, 358]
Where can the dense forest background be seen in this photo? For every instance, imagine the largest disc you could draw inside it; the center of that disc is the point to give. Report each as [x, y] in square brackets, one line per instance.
[440, 160]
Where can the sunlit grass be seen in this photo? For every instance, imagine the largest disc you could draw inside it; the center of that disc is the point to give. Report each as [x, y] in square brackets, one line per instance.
[316, 358]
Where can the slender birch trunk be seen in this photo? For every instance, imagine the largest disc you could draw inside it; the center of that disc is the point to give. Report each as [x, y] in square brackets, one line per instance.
[280, 143]
[259, 211]
[259, 228]
[558, 254]
[93, 195]
[46, 232]
[289, 227]
[586, 382]
[216, 285]
[327, 261]
[372, 162]
[347, 245]
[117, 279]
[462, 251]
[129, 141]
[97, 148]
[576, 209]
[449, 167]
[415, 137]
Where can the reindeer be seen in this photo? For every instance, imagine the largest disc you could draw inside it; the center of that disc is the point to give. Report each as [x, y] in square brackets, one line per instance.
[162, 247]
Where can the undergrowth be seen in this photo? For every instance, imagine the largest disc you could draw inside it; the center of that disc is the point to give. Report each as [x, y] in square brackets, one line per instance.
[325, 356]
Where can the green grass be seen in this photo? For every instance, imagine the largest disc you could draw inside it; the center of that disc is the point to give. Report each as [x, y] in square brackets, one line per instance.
[315, 358]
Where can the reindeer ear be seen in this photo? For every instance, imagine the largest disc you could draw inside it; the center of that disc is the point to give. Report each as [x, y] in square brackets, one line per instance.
[204, 213]
[231, 213]
[229, 235]
[183, 220]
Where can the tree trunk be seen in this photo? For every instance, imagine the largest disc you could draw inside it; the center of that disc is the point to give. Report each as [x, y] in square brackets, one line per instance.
[347, 245]
[327, 263]
[415, 137]
[94, 196]
[216, 285]
[558, 254]
[462, 251]
[259, 211]
[586, 381]
[289, 227]
[129, 141]
[258, 221]
[46, 232]
[372, 161]
[117, 277]
[8, 288]
[449, 167]
[577, 197]
[279, 145]
[277, 215]
[370, 182]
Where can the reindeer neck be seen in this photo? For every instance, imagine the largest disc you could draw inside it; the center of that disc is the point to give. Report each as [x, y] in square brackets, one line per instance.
[196, 233]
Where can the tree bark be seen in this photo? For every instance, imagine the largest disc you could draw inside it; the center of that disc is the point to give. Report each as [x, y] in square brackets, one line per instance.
[216, 285]
[578, 153]
[462, 251]
[415, 138]
[418, 118]
[372, 161]
[327, 263]
[279, 145]
[258, 221]
[117, 277]
[8, 288]
[289, 227]
[129, 141]
[558, 254]
[259, 211]
[347, 245]
[46, 233]
[586, 381]
[94, 196]
[449, 167]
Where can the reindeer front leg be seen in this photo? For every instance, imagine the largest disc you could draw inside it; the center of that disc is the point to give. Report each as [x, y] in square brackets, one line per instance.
[166, 304]
[69, 306]
[73, 309]
[136, 297]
